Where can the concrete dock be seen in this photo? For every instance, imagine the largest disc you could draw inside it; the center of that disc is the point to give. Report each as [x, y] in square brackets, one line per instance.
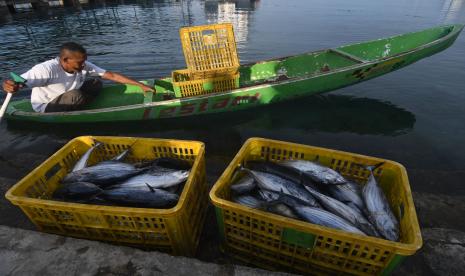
[26, 252]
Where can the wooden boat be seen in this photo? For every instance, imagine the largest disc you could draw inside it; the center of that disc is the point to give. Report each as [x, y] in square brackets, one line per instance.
[261, 83]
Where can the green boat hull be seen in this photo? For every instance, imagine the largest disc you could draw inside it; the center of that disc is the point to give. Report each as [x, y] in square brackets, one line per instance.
[261, 83]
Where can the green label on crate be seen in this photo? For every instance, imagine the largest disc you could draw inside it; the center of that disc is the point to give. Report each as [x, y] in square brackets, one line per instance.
[395, 262]
[298, 238]
[220, 222]
[207, 86]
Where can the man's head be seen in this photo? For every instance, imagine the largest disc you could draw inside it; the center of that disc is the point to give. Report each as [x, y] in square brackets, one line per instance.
[72, 57]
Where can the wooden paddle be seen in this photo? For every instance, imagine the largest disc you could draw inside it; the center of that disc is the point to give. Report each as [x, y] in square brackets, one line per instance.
[17, 79]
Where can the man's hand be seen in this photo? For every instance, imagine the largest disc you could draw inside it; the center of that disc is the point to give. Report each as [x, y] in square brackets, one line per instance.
[10, 86]
[146, 88]
[126, 80]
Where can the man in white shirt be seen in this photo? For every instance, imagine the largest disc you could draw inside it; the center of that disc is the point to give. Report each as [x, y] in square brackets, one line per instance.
[62, 83]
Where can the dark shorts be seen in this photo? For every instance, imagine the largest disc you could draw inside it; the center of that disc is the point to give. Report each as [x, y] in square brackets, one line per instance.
[77, 98]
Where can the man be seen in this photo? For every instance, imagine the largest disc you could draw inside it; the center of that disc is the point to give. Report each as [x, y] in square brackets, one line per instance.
[62, 84]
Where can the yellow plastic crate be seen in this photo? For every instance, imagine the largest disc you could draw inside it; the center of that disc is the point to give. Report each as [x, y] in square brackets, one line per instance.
[275, 242]
[175, 231]
[185, 85]
[209, 48]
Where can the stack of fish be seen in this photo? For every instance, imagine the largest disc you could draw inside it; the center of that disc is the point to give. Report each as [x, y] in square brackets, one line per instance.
[154, 184]
[309, 191]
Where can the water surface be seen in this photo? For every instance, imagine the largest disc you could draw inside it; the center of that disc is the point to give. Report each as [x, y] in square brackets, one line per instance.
[413, 116]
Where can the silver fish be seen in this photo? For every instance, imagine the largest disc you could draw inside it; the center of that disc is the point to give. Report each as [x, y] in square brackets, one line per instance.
[138, 197]
[380, 213]
[76, 190]
[244, 185]
[275, 183]
[315, 171]
[344, 211]
[325, 218]
[176, 189]
[288, 173]
[256, 203]
[104, 173]
[317, 216]
[82, 162]
[156, 177]
[248, 200]
[349, 193]
[122, 155]
[267, 195]
[282, 210]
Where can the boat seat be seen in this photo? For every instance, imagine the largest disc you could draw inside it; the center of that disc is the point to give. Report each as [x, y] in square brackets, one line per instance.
[349, 56]
[148, 97]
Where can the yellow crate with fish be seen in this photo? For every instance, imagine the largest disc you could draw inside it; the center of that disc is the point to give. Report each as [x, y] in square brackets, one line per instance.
[142, 192]
[313, 210]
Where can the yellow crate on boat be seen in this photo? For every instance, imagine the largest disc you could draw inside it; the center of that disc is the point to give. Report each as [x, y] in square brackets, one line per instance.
[185, 85]
[175, 230]
[209, 48]
[275, 242]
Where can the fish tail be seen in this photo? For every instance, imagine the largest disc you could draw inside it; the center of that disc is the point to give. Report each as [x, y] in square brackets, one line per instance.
[97, 143]
[241, 167]
[317, 159]
[150, 187]
[370, 168]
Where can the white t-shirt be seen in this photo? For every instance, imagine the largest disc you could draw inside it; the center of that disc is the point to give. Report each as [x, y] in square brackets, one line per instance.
[48, 80]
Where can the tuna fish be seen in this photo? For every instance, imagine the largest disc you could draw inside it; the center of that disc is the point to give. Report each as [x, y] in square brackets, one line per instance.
[82, 162]
[380, 213]
[282, 210]
[315, 171]
[325, 218]
[103, 174]
[285, 172]
[122, 155]
[156, 177]
[76, 191]
[349, 193]
[139, 197]
[248, 200]
[245, 184]
[267, 181]
[346, 212]
[319, 216]
[272, 207]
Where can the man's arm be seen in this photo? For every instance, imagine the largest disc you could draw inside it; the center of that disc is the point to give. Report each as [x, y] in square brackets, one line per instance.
[125, 80]
[36, 76]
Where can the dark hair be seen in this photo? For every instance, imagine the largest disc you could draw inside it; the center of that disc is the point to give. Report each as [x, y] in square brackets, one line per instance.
[73, 47]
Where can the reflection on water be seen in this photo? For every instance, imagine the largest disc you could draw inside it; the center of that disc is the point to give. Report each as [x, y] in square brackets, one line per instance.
[451, 11]
[339, 113]
[237, 12]
[323, 113]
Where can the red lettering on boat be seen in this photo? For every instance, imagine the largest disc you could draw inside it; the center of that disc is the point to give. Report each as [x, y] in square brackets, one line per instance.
[203, 106]
[221, 103]
[167, 112]
[187, 109]
[146, 113]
